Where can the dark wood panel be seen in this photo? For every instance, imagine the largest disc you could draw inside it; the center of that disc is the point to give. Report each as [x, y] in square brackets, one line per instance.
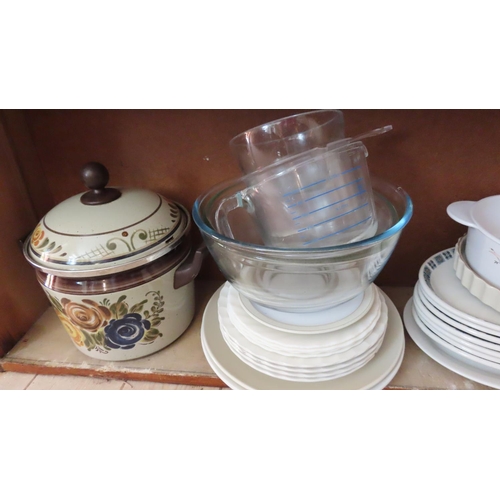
[437, 156]
[27, 161]
[21, 298]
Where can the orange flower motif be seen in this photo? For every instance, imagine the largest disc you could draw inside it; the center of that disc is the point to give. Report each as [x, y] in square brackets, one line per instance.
[37, 236]
[75, 334]
[90, 316]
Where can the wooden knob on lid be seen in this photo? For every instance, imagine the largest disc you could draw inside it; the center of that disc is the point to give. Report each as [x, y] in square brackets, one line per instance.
[95, 176]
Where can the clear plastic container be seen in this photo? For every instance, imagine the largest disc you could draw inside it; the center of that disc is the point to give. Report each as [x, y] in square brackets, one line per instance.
[322, 197]
[263, 145]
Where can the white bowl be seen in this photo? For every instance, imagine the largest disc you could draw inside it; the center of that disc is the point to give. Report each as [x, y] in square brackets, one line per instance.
[483, 235]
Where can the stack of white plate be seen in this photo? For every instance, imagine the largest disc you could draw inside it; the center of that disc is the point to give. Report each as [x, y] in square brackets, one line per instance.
[453, 326]
[301, 356]
[248, 350]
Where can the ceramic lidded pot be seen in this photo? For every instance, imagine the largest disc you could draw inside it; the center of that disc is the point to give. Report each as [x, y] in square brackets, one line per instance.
[116, 265]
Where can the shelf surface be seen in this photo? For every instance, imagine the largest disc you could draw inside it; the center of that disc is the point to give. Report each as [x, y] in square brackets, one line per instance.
[46, 349]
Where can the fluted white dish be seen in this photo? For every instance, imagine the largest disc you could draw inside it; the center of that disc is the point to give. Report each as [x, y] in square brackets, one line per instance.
[296, 370]
[357, 310]
[376, 374]
[290, 344]
[305, 376]
[486, 292]
[296, 361]
[442, 288]
[444, 356]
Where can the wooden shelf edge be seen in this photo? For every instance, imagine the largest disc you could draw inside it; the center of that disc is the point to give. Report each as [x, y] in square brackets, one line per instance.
[164, 378]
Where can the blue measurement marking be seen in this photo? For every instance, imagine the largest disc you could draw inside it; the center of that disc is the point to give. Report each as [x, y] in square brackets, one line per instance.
[328, 206]
[337, 232]
[322, 180]
[333, 218]
[322, 194]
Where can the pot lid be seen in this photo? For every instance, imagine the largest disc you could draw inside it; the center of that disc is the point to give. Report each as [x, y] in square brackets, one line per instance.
[105, 230]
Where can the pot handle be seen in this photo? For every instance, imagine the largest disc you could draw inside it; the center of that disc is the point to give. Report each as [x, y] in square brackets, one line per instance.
[460, 211]
[189, 269]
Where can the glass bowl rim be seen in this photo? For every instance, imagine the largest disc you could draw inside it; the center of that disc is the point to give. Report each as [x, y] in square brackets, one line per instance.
[397, 227]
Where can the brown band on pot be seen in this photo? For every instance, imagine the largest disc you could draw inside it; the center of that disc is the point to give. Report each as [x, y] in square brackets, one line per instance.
[119, 281]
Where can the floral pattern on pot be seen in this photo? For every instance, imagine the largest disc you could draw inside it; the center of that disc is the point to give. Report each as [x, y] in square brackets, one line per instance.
[43, 244]
[124, 333]
[74, 332]
[90, 316]
[37, 236]
[111, 325]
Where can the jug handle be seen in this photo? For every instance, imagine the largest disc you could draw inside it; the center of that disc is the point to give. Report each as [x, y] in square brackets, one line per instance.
[188, 270]
[460, 211]
[226, 207]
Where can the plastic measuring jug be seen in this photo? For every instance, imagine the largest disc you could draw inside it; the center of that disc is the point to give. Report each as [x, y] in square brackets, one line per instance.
[261, 146]
[319, 198]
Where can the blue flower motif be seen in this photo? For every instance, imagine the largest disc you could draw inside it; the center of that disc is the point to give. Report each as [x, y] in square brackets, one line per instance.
[125, 332]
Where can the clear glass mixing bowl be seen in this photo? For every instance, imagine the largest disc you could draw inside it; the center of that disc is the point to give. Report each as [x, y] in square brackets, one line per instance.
[300, 279]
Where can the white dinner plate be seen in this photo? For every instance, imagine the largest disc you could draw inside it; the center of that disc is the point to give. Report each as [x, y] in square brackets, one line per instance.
[458, 342]
[462, 337]
[444, 357]
[476, 332]
[441, 286]
[218, 371]
[454, 349]
[376, 374]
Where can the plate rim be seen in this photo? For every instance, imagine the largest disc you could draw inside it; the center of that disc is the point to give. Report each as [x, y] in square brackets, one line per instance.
[448, 330]
[311, 330]
[426, 302]
[318, 350]
[440, 356]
